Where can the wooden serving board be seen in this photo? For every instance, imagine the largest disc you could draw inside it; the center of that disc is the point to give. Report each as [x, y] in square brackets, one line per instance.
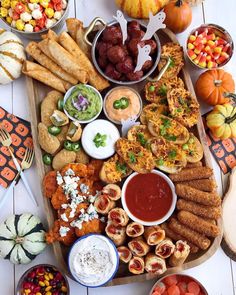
[36, 92]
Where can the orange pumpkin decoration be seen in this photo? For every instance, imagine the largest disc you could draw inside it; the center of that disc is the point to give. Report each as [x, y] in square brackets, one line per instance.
[178, 15]
[141, 8]
[215, 87]
[22, 129]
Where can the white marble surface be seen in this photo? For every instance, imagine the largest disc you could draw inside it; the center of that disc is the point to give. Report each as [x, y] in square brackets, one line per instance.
[218, 273]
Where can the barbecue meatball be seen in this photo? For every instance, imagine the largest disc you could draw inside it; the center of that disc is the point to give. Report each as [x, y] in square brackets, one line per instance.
[147, 65]
[102, 62]
[134, 76]
[133, 46]
[153, 45]
[112, 35]
[133, 26]
[112, 72]
[102, 48]
[116, 54]
[125, 66]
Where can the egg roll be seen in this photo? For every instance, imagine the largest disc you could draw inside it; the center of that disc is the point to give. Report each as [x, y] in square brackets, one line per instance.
[198, 209]
[118, 216]
[205, 185]
[165, 249]
[94, 78]
[198, 224]
[134, 229]
[192, 194]
[50, 35]
[154, 264]
[103, 204]
[180, 254]
[116, 233]
[154, 235]
[138, 247]
[136, 265]
[43, 75]
[124, 254]
[33, 50]
[191, 174]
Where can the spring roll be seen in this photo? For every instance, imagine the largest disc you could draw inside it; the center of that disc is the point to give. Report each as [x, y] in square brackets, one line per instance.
[165, 249]
[33, 50]
[116, 233]
[134, 229]
[124, 254]
[194, 237]
[154, 264]
[72, 25]
[198, 209]
[154, 235]
[138, 247]
[118, 216]
[136, 265]
[205, 185]
[94, 78]
[198, 224]
[192, 174]
[103, 204]
[174, 236]
[193, 165]
[50, 35]
[180, 254]
[43, 75]
[192, 194]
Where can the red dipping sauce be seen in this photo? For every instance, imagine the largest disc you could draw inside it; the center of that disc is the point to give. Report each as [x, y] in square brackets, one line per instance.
[148, 197]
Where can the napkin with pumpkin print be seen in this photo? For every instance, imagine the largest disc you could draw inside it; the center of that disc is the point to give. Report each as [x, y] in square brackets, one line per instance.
[21, 139]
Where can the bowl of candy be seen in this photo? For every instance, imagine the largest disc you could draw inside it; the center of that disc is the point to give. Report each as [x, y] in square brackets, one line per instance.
[209, 47]
[33, 18]
[43, 279]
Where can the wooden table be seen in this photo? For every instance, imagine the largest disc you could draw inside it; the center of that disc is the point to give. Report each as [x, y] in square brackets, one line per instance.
[217, 274]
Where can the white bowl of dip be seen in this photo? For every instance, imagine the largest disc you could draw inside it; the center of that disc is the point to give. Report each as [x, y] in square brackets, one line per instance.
[93, 260]
[89, 135]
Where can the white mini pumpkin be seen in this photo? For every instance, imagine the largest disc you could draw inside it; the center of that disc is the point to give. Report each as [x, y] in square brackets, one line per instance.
[22, 238]
[12, 56]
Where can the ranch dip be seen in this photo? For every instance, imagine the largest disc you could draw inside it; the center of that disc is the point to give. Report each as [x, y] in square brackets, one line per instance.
[93, 260]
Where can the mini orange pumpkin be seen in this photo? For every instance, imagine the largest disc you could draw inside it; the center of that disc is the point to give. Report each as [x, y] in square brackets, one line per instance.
[214, 87]
[178, 15]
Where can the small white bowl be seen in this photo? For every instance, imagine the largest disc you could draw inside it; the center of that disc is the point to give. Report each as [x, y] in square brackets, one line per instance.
[68, 93]
[156, 222]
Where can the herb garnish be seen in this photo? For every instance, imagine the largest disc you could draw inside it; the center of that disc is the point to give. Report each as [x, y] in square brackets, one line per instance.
[162, 91]
[100, 140]
[132, 157]
[141, 139]
[170, 137]
[172, 154]
[160, 162]
[122, 168]
[172, 62]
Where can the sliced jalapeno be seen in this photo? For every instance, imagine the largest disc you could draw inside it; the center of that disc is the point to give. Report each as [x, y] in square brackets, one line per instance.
[124, 103]
[54, 130]
[68, 145]
[116, 104]
[60, 104]
[75, 146]
[47, 159]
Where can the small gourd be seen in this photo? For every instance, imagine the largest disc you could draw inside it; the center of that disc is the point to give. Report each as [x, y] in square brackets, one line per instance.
[22, 238]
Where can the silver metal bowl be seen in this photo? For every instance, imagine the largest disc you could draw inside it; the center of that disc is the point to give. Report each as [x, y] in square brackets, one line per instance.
[219, 31]
[37, 35]
[93, 51]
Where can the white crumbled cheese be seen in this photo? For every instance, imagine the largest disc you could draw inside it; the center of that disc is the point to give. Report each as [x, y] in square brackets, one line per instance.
[33, 6]
[84, 188]
[72, 213]
[77, 223]
[58, 15]
[70, 172]
[63, 217]
[59, 178]
[63, 231]
[13, 23]
[64, 206]
[82, 210]
[10, 12]
[91, 209]
[29, 28]
[50, 22]
[103, 219]
[26, 16]
[37, 14]
[64, 4]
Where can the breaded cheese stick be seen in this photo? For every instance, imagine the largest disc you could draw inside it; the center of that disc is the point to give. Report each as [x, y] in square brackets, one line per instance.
[191, 174]
[176, 237]
[205, 185]
[198, 224]
[192, 194]
[194, 237]
[198, 209]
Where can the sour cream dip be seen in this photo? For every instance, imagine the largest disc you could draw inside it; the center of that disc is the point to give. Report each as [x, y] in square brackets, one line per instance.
[93, 260]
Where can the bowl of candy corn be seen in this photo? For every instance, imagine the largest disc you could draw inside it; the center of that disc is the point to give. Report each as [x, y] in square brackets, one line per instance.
[209, 46]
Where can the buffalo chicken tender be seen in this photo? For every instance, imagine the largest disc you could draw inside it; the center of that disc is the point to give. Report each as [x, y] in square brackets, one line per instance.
[134, 229]
[136, 265]
[194, 237]
[118, 216]
[154, 235]
[89, 227]
[198, 224]
[49, 105]
[50, 184]
[116, 233]
[103, 204]
[138, 247]
[192, 174]
[48, 142]
[205, 185]
[113, 190]
[63, 158]
[124, 254]
[165, 248]
[180, 254]
[192, 194]
[155, 264]
[198, 209]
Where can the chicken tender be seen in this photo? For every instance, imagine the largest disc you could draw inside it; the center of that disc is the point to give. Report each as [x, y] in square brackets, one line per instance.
[58, 198]
[89, 227]
[50, 184]
[54, 234]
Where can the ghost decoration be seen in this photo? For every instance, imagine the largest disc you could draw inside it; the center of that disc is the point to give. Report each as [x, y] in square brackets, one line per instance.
[123, 24]
[143, 56]
[127, 124]
[155, 23]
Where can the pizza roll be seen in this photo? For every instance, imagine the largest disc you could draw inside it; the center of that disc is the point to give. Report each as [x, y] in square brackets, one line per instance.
[180, 254]
[124, 254]
[113, 190]
[136, 265]
[138, 247]
[118, 216]
[154, 264]
[165, 249]
[154, 235]
[103, 204]
[116, 233]
[134, 229]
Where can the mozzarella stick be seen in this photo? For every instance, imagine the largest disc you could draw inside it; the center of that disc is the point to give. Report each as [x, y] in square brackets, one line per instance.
[198, 209]
[192, 194]
[193, 165]
[205, 185]
[176, 237]
[194, 237]
[198, 224]
[191, 174]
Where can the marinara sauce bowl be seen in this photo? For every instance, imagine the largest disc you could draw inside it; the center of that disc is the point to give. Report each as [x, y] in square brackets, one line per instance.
[152, 194]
